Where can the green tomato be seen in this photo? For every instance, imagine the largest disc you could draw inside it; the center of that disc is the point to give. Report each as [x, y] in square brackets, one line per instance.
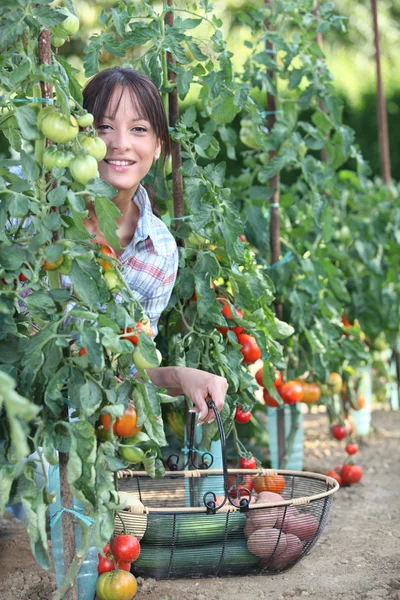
[57, 41]
[83, 168]
[93, 146]
[71, 23]
[56, 127]
[141, 363]
[112, 281]
[168, 166]
[49, 157]
[246, 134]
[85, 120]
[130, 453]
[62, 159]
[66, 266]
[138, 438]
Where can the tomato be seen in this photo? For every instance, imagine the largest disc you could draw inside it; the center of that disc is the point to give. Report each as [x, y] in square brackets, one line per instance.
[140, 326]
[247, 463]
[270, 400]
[113, 282]
[291, 392]
[242, 416]
[351, 474]
[105, 564]
[236, 483]
[107, 264]
[226, 311]
[116, 585]
[85, 120]
[351, 448]
[259, 377]
[82, 351]
[130, 453]
[246, 134]
[312, 393]
[52, 266]
[141, 362]
[22, 277]
[346, 322]
[93, 146]
[83, 168]
[361, 401]
[125, 548]
[56, 127]
[71, 23]
[251, 352]
[57, 41]
[269, 483]
[335, 383]
[124, 426]
[243, 238]
[339, 432]
[48, 157]
[278, 378]
[335, 475]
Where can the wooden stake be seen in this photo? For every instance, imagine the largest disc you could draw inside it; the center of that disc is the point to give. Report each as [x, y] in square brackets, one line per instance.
[319, 40]
[381, 103]
[275, 233]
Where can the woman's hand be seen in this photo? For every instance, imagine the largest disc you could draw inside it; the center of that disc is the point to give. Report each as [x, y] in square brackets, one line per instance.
[195, 384]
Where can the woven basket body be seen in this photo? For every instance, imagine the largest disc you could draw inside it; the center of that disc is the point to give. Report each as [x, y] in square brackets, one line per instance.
[181, 537]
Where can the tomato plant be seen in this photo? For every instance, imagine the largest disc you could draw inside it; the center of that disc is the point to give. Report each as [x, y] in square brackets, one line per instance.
[250, 350]
[140, 326]
[113, 282]
[52, 265]
[335, 383]
[351, 474]
[124, 426]
[93, 145]
[83, 168]
[55, 126]
[226, 311]
[141, 362]
[84, 120]
[242, 416]
[291, 392]
[339, 432]
[107, 264]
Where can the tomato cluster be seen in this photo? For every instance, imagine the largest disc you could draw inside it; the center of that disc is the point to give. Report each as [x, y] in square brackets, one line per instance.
[115, 581]
[126, 426]
[349, 472]
[291, 392]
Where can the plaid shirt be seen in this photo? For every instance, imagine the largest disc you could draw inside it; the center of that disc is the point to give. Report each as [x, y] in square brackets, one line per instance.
[150, 261]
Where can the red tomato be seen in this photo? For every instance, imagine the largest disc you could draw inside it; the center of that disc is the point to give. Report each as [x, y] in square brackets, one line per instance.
[291, 392]
[125, 566]
[351, 448]
[107, 264]
[336, 476]
[242, 416]
[22, 277]
[140, 326]
[339, 432]
[251, 352]
[236, 483]
[124, 426]
[351, 474]
[270, 400]
[82, 351]
[278, 380]
[125, 548]
[338, 469]
[259, 377]
[243, 238]
[247, 463]
[226, 311]
[105, 564]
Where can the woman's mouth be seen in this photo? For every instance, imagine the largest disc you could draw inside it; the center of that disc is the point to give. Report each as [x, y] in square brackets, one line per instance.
[119, 163]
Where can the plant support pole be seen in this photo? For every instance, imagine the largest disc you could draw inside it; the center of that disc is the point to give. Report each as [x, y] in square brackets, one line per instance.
[177, 180]
[65, 492]
[381, 103]
[274, 232]
[319, 40]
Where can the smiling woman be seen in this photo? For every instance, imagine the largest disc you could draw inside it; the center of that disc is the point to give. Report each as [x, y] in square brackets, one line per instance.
[129, 117]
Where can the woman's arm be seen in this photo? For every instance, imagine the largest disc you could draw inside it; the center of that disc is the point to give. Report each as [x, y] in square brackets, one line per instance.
[195, 384]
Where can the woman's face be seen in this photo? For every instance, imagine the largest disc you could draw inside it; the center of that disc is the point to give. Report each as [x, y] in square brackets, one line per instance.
[131, 143]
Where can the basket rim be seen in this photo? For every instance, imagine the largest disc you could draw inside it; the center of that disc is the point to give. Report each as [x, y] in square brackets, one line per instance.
[333, 487]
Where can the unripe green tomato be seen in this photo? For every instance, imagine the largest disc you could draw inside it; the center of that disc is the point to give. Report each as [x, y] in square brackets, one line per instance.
[62, 159]
[66, 266]
[168, 166]
[85, 120]
[83, 168]
[246, 134]
[112, 281]
[57, 128]
[263, 157]
[71, 23]
[141, 363]
[49, 156]
[57, 41]
[93, 146]
[133, 455]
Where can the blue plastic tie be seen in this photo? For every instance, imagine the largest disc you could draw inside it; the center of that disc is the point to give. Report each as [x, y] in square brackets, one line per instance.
[32, 100]
[55, 518]
[289, 256]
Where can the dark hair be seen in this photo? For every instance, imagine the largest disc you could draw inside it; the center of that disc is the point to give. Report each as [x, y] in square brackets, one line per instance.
[145, 96]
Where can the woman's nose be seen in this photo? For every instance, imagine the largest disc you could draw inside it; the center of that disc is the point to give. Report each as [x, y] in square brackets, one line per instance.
[121, 140]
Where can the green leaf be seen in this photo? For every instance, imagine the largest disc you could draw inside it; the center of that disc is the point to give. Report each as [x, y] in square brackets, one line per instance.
[107, 213]
[88, 283]
[48, 17]
[57, 196]
[30, 168]
[149, 412]
[90, 339]
[7, 473]
[21, 72]
[35, 515]
[41, 306]
[26, 118]
[225, 109]
[90, 398]
[82, 457]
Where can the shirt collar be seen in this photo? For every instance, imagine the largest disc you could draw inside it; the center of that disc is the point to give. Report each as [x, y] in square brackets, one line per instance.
[145, 228]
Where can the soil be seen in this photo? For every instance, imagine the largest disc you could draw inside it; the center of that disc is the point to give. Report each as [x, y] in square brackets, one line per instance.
[356, 558]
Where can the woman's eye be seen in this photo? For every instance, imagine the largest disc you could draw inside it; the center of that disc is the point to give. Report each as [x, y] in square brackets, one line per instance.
[103, 127]
[140, 129]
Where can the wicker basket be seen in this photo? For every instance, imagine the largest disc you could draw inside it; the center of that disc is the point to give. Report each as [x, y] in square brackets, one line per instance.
[188, 529]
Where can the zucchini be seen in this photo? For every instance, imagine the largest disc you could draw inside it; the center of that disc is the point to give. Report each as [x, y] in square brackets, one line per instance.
[161, 562]
[192, 529]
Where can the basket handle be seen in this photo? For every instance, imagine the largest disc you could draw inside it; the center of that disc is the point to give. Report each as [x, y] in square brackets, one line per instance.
[211, 503]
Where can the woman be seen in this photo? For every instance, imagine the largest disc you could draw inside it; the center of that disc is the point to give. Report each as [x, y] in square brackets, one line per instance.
[129, 117]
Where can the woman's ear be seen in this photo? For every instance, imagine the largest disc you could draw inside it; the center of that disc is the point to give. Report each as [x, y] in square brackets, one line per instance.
[157, 150]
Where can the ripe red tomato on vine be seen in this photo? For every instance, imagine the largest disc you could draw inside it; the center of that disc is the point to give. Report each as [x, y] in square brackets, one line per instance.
[247, 463]
[351, 448]
[226, 311]
[242, 416]
[125, 548]
[339, 432]
[351, 474]
[291, 392]
[250, 350]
